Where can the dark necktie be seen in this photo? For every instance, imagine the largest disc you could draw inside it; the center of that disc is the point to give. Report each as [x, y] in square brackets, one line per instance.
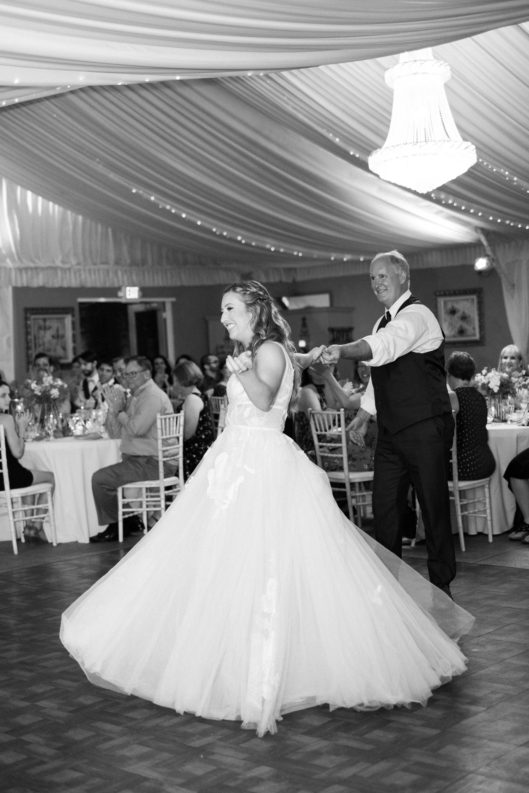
[384, 321]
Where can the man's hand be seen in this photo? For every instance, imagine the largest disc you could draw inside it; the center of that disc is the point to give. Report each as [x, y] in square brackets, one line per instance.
[330, 355]
[305, 359]
[358, 427]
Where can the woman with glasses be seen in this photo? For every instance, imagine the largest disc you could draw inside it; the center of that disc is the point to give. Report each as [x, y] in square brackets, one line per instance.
[254, 595]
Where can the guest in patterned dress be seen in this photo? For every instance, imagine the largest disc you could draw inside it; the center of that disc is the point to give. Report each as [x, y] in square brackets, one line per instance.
[199, 430]
[474, 456]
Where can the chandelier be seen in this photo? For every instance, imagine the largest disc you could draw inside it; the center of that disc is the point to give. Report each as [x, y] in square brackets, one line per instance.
[423, 149]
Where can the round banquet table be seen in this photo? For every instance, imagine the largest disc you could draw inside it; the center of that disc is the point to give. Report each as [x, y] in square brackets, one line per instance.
[506, 441]
[73, 460]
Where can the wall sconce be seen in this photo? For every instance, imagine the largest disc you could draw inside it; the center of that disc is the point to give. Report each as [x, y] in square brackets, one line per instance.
[483, 264]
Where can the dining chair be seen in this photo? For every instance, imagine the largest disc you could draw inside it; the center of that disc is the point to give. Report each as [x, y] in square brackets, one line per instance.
[149, 498]
[20, 508]
[329, 434]
[218, 406]
[471, 498]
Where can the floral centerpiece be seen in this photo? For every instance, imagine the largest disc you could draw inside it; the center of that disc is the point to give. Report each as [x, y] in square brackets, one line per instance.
[493, 383]
[45, 397]
[48, 390]
[503, 391]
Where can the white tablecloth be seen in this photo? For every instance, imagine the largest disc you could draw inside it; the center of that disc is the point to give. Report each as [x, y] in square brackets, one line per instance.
[73, 461]
[506, 441]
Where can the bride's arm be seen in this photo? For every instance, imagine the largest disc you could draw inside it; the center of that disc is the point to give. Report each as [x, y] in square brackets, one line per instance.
[262, 381]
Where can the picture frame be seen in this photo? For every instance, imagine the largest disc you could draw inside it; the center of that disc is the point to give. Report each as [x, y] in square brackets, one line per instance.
[460, 315]
[50, 330]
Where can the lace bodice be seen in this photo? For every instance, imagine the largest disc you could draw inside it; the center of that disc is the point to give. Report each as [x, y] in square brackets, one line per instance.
[243, 413]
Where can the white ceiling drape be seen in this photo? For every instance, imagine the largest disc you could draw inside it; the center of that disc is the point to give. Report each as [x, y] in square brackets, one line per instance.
[49, 43]
[193, 181]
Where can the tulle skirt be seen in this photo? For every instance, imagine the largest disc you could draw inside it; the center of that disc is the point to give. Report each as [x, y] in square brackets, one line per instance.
[254, 596]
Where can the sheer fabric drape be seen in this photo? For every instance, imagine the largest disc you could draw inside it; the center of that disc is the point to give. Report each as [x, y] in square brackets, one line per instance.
[513, 267]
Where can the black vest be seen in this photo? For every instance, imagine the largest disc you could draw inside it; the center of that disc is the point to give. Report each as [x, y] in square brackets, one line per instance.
[412, 388]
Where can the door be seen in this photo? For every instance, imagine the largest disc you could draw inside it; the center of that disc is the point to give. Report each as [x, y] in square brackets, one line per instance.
[114, 328]
[147, 329]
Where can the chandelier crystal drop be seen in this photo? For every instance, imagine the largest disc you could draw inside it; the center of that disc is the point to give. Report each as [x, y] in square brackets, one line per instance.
[423, 149]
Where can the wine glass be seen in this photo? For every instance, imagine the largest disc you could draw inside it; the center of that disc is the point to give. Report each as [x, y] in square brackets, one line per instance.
[523, 397]
[50, 425]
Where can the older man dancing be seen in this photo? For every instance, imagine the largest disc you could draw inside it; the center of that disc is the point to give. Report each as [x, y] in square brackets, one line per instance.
[408, 393]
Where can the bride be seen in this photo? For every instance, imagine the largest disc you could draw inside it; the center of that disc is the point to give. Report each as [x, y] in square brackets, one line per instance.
[254, 596]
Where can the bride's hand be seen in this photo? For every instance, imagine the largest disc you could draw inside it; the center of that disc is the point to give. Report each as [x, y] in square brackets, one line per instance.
[240, 363]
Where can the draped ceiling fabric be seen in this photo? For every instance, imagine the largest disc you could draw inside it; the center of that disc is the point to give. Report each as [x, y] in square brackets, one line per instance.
[118, 167]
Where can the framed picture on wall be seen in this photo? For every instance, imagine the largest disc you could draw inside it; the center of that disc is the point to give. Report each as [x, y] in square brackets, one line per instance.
[460, 315]
[50, 330]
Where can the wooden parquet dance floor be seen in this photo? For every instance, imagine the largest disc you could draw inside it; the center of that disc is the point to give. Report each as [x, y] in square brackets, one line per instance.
[60, 734]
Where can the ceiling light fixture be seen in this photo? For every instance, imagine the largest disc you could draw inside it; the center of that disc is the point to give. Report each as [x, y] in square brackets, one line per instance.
[423, 149]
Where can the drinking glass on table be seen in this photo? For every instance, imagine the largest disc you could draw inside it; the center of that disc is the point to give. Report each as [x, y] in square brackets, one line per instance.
[523, 399]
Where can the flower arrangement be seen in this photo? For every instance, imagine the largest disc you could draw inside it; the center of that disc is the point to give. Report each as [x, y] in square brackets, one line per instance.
[491, 382]
[520, 379]
[49, 391]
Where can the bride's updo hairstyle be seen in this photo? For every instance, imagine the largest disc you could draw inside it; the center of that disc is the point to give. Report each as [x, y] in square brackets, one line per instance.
[267, 322]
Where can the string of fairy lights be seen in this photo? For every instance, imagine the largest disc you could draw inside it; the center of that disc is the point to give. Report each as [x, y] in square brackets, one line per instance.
[237, 236]
[273, 247]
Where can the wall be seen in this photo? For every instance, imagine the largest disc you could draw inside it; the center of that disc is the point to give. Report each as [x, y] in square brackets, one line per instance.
[193, 304]
[356, 293]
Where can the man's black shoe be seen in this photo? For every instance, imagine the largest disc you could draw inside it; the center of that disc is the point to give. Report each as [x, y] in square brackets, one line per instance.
[133, 524]
[110, 533]
[446, 589]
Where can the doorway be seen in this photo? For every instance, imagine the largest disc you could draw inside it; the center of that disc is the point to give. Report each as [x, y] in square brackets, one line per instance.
[113, 328]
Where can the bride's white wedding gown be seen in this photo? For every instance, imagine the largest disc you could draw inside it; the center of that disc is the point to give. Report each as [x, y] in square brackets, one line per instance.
[254, 596]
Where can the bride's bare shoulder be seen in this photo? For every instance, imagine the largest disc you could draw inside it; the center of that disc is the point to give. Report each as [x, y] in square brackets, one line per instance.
[271, 354]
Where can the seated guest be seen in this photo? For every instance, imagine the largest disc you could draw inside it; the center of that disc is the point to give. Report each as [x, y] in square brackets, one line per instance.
[517, 475]
[199, 429]
[118, 365]
[162, 373]
[42, 366]
[74, 379]
[474, 456]
[220, 388]
[510, 360]
[18, 475]
[210, 366]
[88, 395]
[184, 357]
[109, 390]
[139, 448]
[319, 390]
[361, 379]
[105, 370]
